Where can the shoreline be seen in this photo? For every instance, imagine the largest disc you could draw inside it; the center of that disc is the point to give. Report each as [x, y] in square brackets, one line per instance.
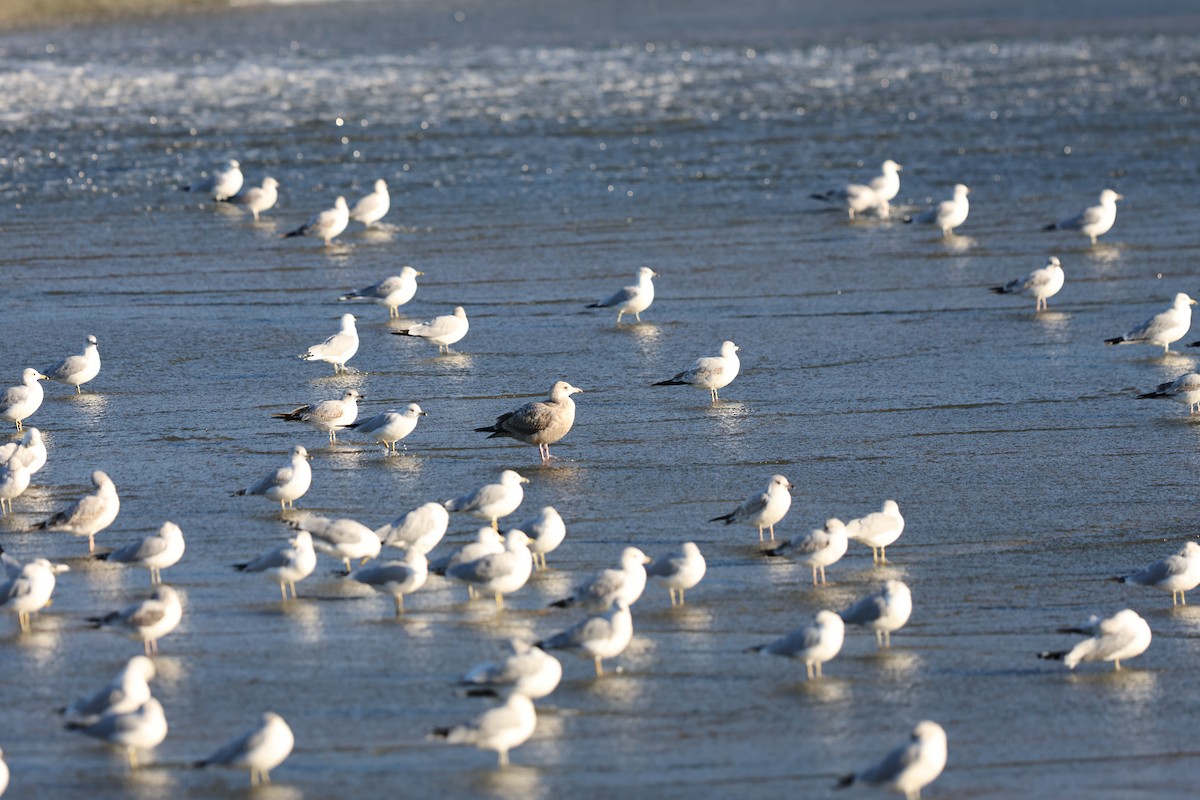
[16, 15]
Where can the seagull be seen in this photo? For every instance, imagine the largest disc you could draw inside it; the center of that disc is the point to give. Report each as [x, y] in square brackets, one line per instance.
[762, 510]
[30, 451]
[286, 564]
[14, 480]
[148, 620]
[222, 184]
[389, 427]
[883, 611]
[598, 637]
[546, 532]
[391, 292]
[500, 573]
[1041, 284]
[542, 422]
[90, 514]
[1163, 328]
[1123, 635]
[624, 584]
[910, 767]
[500, 729]
[873, 196]
[344, 539]
[258, 199]
[396, 577]
[492, 500]
[948, 214]
[813, 644]
[373, 206]
[710, 372]
[326, 224]
[818, 548]
[286, 484]
[3, 774]
[419, 530]
[1185, 389]
[77, 370]
[127, 691]
[487, 541]
[141, 729]
[327, 415]
[337, 349]
[530, 671]
[442, 331]
[260, 749]
[678, 571]
[29, 590]
[878, 530]
[155, 552]
[19, 402]
[1177, 574]
[1093, 221]
[632, 299]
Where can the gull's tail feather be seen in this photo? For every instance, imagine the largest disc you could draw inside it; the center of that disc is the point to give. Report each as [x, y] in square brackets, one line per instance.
[726, 518]
[1150, 395]
[1058, 655]
[596, 305]
[292, 415]
[298, 232]
[672, 382]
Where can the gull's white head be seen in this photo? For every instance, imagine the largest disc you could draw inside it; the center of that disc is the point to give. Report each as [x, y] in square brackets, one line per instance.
[233, 164]
[1109, 196]
[30, 376]
[780, 482]
[169, 530]
[1190, 550]
[351, 395]
[960, 190]
[1053, 261]
[511, 477]
[728, 348]
[645, 274]
[270, 183]
[561, 390]
[299, 451]
[92, 339]
[891, 166]
[381, 186]
[460, 312]
[891, 507]
[414, 410]
[347, 323]
[340, 204]
[408, 272]
[1183, 301]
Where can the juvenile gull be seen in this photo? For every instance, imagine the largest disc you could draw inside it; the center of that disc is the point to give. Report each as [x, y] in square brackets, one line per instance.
[155, 552]
[818, 548]
[499, 729]
[344, 539]
[30, 589]
[338, 348]
[632, 299]
[14, 480]
[327, 415]
[286, 564]
[442, 331]
[530, 671]
[372, 207]
[396, 577]
[90, 514]
[19, 402]
[418, 530]
[286, 484]
[144, 728]
[492, 500]
[813, 644]
[1123, 635]
[259, 750]
[678, 571]
[1041, 284]
[878, 530]
[30, 451]
[1185, 389]
[710, 372]
[1093, 221]
[127, 691]
[598, 637]
[326, 224]
[883, 612]
[546, 532]
[258, 199]
[542, 422]
[79, 369]
[1177, 574]
[222, 184]
[389, 427]
[624, 584]
[762, 510]
[500, 573]
[146, 620]
[948, 214]
[390, 292]
[910, 767]
[1163, 328]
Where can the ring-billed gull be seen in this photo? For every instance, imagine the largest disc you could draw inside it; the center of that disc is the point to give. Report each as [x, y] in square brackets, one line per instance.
[813, 644]
[819, 548]
[286, 564]
[632, 299]
[286, 484]
[125, 692]
[390, 292]
[678, 571]
[762, 510]
[874, 196]
[79, 369]
[910, 767]
[19, 402]
[1093, 221]
[442, 331]
[948, 214]
[344, 539]
[710, 372]
[325, 224]
[146, 620]
[546, 532]
[396, 577]
[492, 500]
[418, 530]
[542, 422]
[30, 451]
[1124, 635]
[155, 552]
[3, 774]
[500, 573]
[530, 671]
[624, 584]
[1176, 573]
[1185, 389]
[598, 637]
[499, 729]
[372, 207]
[90, 514]
[1163, 328]
[1041, 284]
[338, 348]
[222, 184]
[14, 480]
[258, 199]
[327, 415]
[389, 427]
[29, 590]
[260, 749]
[883, 612]
[878, 530]
[144, 728]
[486, 541]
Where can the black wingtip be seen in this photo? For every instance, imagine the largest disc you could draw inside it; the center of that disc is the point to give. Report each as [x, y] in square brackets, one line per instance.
[1052, 656]
[1148, 396]
[844, 782]
[239, 493]
[484, 692]
[241, 567]
[401, 333]
[1118, 578]
[996, 289]
[564, 603]
[438, 733]
[1114, 340]
[1050, 227]
[100, 556]
[488, 429]
[74, 725]
[1077, 631]
[671, 382]
[595, 305]
[290, 234]
[1194, 344]
[201, 764]
[758, 648]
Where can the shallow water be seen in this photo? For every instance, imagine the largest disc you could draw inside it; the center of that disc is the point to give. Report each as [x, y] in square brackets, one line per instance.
[536, 160]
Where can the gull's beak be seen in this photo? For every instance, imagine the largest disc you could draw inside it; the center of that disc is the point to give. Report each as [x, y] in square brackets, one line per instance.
[423, 414]
[791, 486]
[42, 377]
[420, 273]
[524, 479]
[899, 168]
[59, 569]
[576, 390]
[647, 560]
[1120, 197]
